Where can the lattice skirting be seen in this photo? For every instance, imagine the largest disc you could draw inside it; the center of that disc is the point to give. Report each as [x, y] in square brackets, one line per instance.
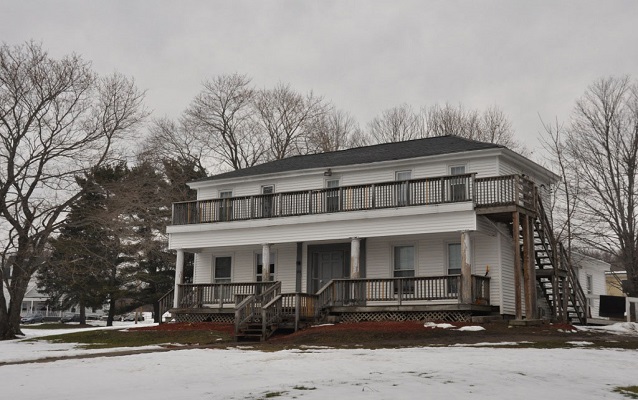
[450, 316]
[223, 318]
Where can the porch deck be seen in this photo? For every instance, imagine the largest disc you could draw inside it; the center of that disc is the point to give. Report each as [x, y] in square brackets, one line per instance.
[263, 303]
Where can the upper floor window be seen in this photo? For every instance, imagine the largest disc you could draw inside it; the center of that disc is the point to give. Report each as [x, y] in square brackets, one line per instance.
[267, 200]
[458, 186]
[403, 187]
[332, 195]
[225, 205]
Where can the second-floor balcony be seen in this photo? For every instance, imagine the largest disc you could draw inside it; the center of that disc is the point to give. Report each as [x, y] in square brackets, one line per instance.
[499, 191]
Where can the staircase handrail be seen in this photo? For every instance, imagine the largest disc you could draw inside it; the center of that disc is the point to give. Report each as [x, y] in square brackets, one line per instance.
[244, 311]
[561, 262]
[325, 296]
[271, 313]
[577, 295]
[165, 303]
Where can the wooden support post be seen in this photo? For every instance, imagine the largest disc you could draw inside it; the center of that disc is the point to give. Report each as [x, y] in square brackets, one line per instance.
[529, 271]
[179, 276]
[298, 267]
[517, 265]
[265, 262]
[355, 258]
[466, 268]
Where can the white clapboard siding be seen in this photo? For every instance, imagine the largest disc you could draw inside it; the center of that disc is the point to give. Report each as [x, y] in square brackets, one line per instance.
[596, 268]
[507, 297]
[322, 227]
[351, 175]
[487, 255]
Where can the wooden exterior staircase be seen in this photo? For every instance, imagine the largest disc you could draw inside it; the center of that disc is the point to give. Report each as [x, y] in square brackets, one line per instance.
[556, 277]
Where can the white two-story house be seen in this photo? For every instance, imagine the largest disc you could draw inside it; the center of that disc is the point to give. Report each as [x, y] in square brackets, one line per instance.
[439, 228]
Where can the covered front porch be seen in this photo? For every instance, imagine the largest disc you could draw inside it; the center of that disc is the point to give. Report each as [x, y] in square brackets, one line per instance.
[263, 303]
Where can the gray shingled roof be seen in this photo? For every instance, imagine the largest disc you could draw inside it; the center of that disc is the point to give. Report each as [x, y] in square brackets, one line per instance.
[363, 155]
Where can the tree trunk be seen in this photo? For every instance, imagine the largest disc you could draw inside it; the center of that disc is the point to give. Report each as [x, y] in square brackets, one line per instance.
[156, 312]
[82, 312]
[109, 320]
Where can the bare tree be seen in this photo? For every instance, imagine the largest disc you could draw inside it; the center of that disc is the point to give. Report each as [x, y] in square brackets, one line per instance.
[397, 124]
[565, 195]
[332, 131]
[490, 125]
[169, 139]
[222, 118]
[283, 115]
[603, 142]
[57, 120]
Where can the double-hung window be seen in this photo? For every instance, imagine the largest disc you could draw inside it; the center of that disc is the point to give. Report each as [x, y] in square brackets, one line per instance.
[267, 201]
[332, 195]
[458, 186]
[222, 269]
[404, 267]
[403, 187]
[225, 205]
[453, 266]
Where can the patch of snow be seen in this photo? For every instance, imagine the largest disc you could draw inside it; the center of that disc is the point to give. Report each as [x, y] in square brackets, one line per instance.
[474, 328]
[320, 325]
[435, 325]
[580, 343]
[624, 328]
[487, 344]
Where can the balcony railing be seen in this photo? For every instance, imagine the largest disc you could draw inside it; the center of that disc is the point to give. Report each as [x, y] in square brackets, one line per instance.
[496, 191]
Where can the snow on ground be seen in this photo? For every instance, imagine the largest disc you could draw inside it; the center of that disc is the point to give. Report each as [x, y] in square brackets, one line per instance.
[317, 372]
[22, 349]
[434, 372]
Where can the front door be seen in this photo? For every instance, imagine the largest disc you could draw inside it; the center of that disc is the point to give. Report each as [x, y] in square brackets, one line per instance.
[326, 265]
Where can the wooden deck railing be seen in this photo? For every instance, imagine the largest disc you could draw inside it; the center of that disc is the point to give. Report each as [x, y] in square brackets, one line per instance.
[359, 292]
[414, 192]
[484, 192]
[194, 295]
[504, 190]
[165, 303]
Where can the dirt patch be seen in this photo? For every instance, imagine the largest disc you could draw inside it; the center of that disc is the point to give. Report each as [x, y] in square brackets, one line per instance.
[191, 326]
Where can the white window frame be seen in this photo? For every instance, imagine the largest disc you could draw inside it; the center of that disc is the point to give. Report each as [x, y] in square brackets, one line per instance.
[214, 264]
[329, 198]
[393, 258]
[225, 208]
[403, 189]
[453, 184]
[450, 287]
[273, 262]
[267, 211]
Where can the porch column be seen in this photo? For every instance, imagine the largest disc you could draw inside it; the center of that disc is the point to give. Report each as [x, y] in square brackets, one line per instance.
[265, 262]
[529, 270]
[518, 293]
[179, 276]
[466, 268]
[355, 258]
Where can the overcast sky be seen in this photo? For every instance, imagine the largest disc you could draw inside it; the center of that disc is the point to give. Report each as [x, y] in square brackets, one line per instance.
[528, 58]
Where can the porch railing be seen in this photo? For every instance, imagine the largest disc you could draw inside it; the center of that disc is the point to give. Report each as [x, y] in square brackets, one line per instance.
[359, 292]
[484, 192]
[195, 295]
[414, 192]
[504, 190]
[250, 309]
